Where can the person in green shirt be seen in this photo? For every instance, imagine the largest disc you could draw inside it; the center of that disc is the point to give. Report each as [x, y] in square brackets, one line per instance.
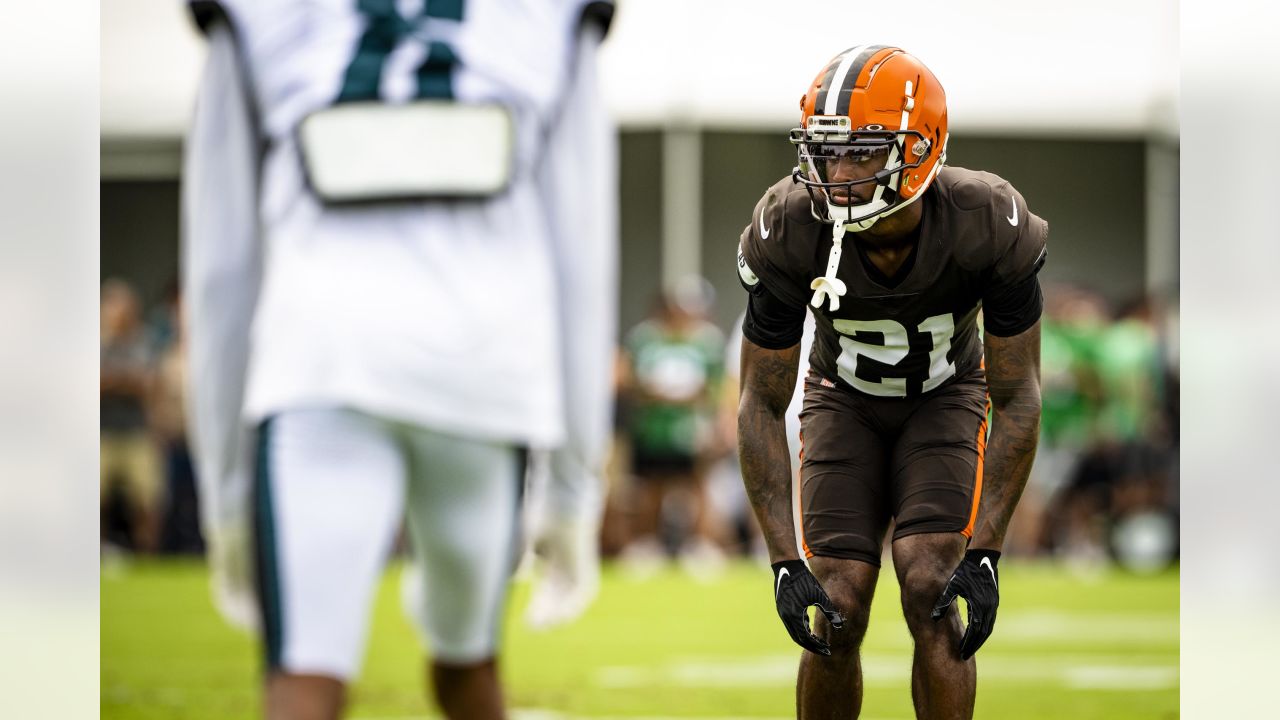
[674, 368]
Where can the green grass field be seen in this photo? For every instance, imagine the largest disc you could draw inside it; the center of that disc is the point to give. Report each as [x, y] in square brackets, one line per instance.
[1065, 646]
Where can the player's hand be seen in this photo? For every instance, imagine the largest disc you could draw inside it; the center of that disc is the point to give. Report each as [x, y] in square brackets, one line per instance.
[794, 590]
[568, 559]
[229, 549]
[976, 580]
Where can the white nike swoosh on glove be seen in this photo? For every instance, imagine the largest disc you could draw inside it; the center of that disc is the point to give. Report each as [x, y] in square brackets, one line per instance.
[987, 562]
[781, 574]
[764, 231]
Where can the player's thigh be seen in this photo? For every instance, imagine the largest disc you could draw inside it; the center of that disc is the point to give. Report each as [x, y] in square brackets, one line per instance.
[463, 513]
[329, 496]
[936, 462]
[844, 494]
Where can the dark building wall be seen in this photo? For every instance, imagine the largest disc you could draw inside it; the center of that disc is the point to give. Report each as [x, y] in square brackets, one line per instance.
[1092, 194]
[736, 170]
[139, 228]
[139, 234]
[640, 218]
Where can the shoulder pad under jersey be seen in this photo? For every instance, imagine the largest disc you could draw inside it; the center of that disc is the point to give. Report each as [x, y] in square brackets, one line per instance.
[776, 248]
[992, 230]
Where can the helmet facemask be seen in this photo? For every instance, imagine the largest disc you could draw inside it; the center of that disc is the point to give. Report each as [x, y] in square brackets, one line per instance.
[883, 156]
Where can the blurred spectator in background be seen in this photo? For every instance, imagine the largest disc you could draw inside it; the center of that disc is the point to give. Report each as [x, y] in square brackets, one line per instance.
[180, 527]
[1130, 375]
[1070, 398]
[1105, 478]
[162, 323]
[616, 521]
[672, 377]
[128, 462]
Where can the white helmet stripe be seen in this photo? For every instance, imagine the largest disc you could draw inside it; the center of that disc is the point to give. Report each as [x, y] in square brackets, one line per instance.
[837, 80]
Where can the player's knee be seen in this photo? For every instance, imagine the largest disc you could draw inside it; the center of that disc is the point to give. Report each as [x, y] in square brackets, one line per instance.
[921, 587]
[854, 604]
[461, 620]
[460, 617]
[464, 689]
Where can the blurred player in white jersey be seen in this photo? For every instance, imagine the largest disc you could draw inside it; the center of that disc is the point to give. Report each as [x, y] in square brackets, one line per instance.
[400, 249]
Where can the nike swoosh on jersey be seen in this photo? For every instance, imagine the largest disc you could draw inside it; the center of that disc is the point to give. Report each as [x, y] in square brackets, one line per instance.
[764, 231]
[987, 562]
[1013, 220]
[781, 574]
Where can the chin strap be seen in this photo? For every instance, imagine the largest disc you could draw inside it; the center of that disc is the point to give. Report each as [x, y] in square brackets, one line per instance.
[830, 286]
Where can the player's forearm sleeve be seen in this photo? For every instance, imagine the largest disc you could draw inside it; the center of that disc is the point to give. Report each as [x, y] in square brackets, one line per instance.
[221, 270]
[579, 180]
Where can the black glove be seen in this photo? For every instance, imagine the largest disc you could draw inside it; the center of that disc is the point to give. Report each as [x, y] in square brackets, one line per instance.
[794, 590]
[978, 582]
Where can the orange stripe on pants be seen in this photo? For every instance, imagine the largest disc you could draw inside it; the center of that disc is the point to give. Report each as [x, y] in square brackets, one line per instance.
[977, 480]
[804, 544]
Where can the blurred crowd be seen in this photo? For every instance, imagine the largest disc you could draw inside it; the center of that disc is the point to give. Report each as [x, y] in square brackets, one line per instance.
[1105, 482]
[1104, 486]
[147, 493]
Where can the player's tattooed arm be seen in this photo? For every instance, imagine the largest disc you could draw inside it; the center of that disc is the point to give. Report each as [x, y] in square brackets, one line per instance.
[1013, 376]
[768, 381]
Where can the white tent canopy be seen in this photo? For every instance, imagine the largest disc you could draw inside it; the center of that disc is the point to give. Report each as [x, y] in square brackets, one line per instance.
[1009, 66]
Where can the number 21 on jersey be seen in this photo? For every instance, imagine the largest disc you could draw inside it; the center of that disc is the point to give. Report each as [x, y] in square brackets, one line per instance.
[895, 349]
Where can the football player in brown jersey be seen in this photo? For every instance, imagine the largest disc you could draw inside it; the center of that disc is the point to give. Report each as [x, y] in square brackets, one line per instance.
[896, 256]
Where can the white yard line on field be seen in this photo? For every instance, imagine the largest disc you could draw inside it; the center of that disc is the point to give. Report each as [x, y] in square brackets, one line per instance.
[1101, 672]
[1122, 677]
[1082, 628]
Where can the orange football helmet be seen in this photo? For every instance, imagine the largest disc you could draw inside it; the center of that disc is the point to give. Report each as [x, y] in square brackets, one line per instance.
[871, 102]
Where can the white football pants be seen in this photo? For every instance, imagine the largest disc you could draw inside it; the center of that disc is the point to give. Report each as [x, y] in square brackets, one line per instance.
[330, 492]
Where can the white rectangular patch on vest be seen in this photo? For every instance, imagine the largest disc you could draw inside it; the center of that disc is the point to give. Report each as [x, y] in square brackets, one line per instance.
[367, 152]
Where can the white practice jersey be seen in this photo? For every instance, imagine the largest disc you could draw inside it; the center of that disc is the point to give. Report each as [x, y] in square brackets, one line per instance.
[440, 313]
[491, 319]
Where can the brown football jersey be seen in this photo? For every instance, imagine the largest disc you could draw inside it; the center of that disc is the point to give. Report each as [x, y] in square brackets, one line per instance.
[977, 238]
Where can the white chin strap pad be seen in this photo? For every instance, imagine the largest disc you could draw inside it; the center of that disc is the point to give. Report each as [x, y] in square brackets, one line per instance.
[876, 206]
[830, 287]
